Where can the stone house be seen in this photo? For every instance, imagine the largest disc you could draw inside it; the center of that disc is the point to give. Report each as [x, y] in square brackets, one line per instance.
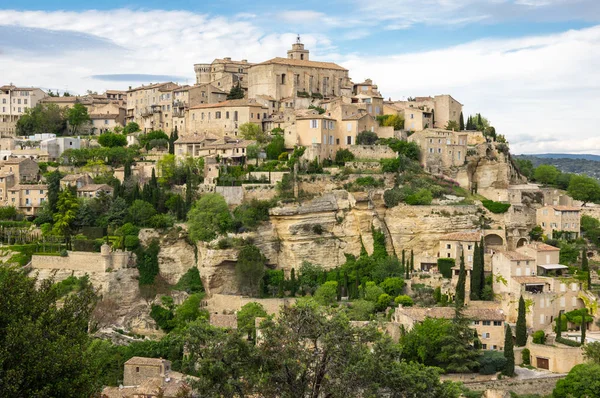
[223, 73]
[139, 369]
[29, 199]
[24, 169]
[224, 118]
[455, 244]
[564, 219]
[94, 190]
[56, 146]
[227, 149]
[416, 119]
[443, 108]
[367, 94]
[440, 149]
[297, 76]
[76, 180]
[318, 132]
[489, 322]
[7, 180]
[14, 102]
[189, 96]
[151, 106]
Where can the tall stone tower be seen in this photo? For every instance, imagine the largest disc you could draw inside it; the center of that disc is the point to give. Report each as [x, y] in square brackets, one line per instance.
[298, 51]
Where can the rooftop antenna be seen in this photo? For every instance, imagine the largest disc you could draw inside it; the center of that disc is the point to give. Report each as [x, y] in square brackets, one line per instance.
[298, 39]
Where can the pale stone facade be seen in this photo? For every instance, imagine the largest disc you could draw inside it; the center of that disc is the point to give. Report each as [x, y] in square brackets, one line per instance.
[282, 78]
[226, 148]
[190, 96]
[443, 108]
[440, 149]
[29, 199]
[318, 132]
[139, 369]
[460, 243]
[559, 218]
[224, 118]
[24, 169]
[151, 107]
[223, 73]
[14, 102]
[56, 146]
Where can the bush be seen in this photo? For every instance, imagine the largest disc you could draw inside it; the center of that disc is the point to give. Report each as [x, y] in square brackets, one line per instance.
[8, 213]
[383, 301]
[342, 156]
[392, 286]
[326, 294]
[366, 138]
[392, 197]
[491, 362]
[421, 197]
[111, 140]
[404, 300]
[131, 242]
[570, 343]
[390, 165]
[526, 356]
[160, 221]
[495, 207]
[361, 310]
[317, 229]
[250, 215]
[190, 282]
[445, 266]
[539, 337]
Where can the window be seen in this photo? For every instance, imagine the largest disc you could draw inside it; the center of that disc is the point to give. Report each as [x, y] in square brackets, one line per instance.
[227, 115]
[105, 122]
[448, 246]
[349, 127]
[314, 124]
[475, 322]
[217, 115]
[470, 259]
[349, 140]
[485, 335]
[497, 323]
[27, 192]
[283, 78]
[487, 323]
[25, 102]
[484, 346]
[137, 369]
[330, 140]
[337, 141]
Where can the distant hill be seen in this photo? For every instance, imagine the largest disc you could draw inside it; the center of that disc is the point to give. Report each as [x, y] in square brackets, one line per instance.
[567, 163]
[565, 156]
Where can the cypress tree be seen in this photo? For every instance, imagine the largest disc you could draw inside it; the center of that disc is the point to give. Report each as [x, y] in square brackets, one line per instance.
[583, 324]
[475, 275]
[479, 122]
[346, 293]
[461, 122]
[509, 353]
[521, 331]
[363, 289]
[460, 286]
[559, 324]
[412, 261]
[482, 264]
[356, 290]
[403, 261]
[293, 282]
[339, 292]
[280, 290]
[585, 267]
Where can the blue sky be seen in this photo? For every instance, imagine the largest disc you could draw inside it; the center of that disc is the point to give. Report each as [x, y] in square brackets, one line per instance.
[531, 66]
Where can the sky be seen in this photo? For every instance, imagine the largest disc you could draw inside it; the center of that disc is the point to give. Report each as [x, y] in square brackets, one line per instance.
[532, 67]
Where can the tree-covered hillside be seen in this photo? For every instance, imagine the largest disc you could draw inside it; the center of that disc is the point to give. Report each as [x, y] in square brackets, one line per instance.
[567, 164]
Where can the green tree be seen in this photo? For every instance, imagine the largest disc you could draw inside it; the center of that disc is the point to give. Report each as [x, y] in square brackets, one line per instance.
[585, 267]
[584, 188]
[461, 122]
[45, 118]
[546, 174]
[111, 140]
[342, 156]
[147, 263]
[392, 286]
[326, 294]
[250, 269]
[476, 275]
[275, 147]
[140, 212]
[172, 139]
[53, 181]
[66, 214]
[131, 127]
[536, 233]
[366, 138]
[521, 328]
[452, 125]
[591, 352]
[509, 353]
[460, 286]
[246, 319]
[252, 131]
[236, 92]
[208, 217]
[77, 116]
[582, 381]
[45, 342]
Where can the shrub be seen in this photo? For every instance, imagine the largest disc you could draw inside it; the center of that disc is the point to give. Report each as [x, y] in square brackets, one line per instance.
[131, 242]
[445, 266]
[570, 343]
[361, 310]
[539, 337]
[326, 294]
[342, 156]
[392, 286]
[372, 292]
[404, 300]
[421, 197]
[390, 165]
[190, 282]
[526, 356]
[317, 229]
[491, 362]
[161, 221]
[366, 138]
[111, 140]
[8, 213]
[383, 301]
[495, 207]
[392, 197]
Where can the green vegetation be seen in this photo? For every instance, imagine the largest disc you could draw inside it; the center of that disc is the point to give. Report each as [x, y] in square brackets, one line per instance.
[77, 116]
[582, 381]
[250, 269]
[43, 119]
[112, 140]
[209, 216]
[445, 266]
[539, 337]
[509, 354]
[495, 207]
[396, 121]
[190, 282]
[521, 328]
[366, 138]
[246, 319]
[236, 92]
[342, 156]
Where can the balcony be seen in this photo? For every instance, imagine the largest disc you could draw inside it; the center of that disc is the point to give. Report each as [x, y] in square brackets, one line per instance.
[179, 104]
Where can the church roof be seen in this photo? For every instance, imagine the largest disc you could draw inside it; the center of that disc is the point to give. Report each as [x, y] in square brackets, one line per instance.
[304, 63]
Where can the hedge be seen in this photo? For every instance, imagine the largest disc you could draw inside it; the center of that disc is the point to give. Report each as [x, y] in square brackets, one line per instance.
[495, 207]
[570, 343]
[445, 266]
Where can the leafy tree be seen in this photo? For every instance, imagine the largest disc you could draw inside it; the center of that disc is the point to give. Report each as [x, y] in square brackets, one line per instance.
[117, 213]
[366, 138]
[582, 381]
[250, 269]
[525, 167]
[392, 286]
[252, 131]
[405, 301]
[396, 121]
[361, 310]
[42, 119]
[342, 156]
[372, 291]
[147, 263]
[509, 353]
[190, 282]
[77, 116]
[147, 140]
[521, 330]
[460, 286]
[66, 213]
[131, 127]
[584, 188]
[452, 125]
[209, 216]
[326, 294]
[275, 147]
[44, 342]
[236, 92]
[140, 212]
[111, 140]
[536, 233]
[546, 174]
[591, 352]
[585, 267]
[53, 181]
[246, 319]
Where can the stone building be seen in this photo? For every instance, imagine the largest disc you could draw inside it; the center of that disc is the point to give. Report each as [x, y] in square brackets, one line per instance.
[297, 77]
[151, 106]
[24, 169]
[416, 119]
[223, 73]
[224, 118]
[14, 102]
[443, 108]
[189, 96]
[75, 180]
[56, 146]
[228, 149]
[318, 134]
[28, 199]
[7, 180]
[440, 149]
[139, 369]
[562, 219]
[459, 243]
[367, 94]
[489, 322]
[94, 190]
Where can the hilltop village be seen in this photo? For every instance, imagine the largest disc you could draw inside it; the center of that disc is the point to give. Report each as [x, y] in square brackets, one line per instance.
[263, 187]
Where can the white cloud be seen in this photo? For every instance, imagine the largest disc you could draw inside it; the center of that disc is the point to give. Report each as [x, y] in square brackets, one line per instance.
[541, 92]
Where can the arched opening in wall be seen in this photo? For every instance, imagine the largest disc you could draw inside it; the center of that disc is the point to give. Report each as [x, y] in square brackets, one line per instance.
[493, 240]
[521, 242]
